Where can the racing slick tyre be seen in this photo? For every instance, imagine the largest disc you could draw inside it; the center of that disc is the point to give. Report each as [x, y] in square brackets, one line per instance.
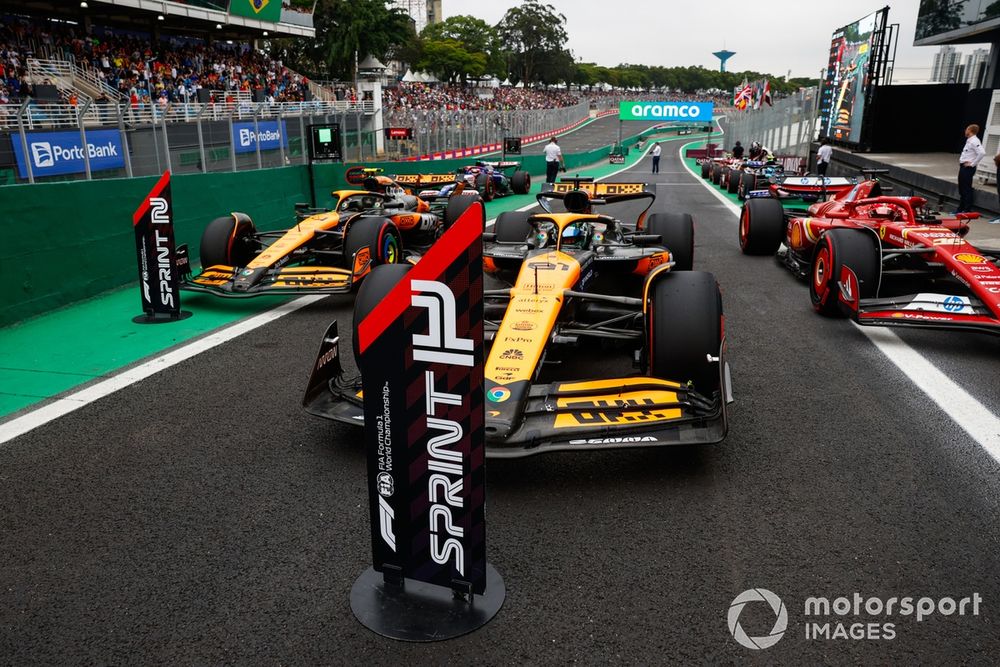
[484, 184]
[706, 171]
[717, 174]
[512, 227]
[746, 184]
[520, 182]
[373, 290]
[378, 235]
[228, 240]
[684, 328]
[762, 226]
[733, 184]
[677, 232]
[459, 204]
[855, 249]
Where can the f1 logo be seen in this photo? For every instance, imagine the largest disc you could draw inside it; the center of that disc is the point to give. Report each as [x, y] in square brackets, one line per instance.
[440, 344]
[41, 154]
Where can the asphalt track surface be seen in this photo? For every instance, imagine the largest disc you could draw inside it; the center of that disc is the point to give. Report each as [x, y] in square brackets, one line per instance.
[200, 517]
[600, 132]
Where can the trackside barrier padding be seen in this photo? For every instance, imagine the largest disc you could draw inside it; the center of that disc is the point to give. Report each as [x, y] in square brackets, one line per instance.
[68, 241]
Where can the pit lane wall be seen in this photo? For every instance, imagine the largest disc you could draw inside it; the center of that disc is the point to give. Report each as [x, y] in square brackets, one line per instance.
[68, 241]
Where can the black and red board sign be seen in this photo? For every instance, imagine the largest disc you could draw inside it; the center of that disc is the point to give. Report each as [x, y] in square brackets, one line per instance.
[399, 133]
[422, 368]
[156, 255]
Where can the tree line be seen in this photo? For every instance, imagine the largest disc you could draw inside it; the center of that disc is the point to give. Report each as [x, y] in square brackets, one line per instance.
[527, 45]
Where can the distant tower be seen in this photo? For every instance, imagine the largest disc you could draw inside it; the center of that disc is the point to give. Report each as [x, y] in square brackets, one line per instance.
[723, 56]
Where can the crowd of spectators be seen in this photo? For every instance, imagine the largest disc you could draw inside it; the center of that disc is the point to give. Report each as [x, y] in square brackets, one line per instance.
[143, 70]
[441, 97]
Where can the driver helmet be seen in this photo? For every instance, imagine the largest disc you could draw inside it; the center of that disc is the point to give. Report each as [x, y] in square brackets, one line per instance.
[577, 235]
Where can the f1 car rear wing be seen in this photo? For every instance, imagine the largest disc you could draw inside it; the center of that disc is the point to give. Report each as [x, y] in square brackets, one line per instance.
[423, 180]
[580, 194]
[499, 165]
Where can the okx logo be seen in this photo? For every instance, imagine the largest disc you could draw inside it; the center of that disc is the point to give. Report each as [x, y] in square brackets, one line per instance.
[780, 622]
[41, 154]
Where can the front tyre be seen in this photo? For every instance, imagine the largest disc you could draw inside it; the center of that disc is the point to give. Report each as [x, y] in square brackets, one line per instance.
[378, 236]
[762, 226]
[838, 248]
[228, 241]
[684, 328]
[373, 291]
[520, 182]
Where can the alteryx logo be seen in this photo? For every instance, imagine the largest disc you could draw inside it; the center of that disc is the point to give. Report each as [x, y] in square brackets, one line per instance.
[55, 153]
[677, 111]
[41, 155]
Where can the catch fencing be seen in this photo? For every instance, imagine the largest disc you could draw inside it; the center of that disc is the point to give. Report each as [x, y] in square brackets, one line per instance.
[786, 129]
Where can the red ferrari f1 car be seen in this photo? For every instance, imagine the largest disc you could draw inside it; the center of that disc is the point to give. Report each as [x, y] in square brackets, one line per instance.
[860, 249]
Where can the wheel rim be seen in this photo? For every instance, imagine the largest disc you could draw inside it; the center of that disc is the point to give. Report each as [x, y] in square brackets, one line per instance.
[389, 248]
[821, 274]
[744, 227]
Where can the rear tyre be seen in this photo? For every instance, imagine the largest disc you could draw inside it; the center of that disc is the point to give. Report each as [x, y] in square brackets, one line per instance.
[228, 240]
[677, 232]
[520, 183]
[684, 328]
[512, 227]
[733, 184]
[459, 204]
[762, 226]
[746, 184]
[705, 170]
[376, 287]
[378, 235]
[717, 174]
[484, 184]
[857, 250]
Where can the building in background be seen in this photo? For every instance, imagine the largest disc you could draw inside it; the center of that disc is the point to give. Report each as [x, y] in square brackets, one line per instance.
[946, 65]
[974, 70]
[417, 9]
[435, 12]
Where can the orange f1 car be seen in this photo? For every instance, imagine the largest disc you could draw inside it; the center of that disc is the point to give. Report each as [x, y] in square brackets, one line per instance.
[581, 284]
[327, 251]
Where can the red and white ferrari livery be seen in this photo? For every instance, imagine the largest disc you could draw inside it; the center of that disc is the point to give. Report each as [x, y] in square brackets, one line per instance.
[881, 260]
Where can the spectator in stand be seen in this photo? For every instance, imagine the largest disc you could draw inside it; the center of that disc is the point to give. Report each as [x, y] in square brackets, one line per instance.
[972, 153]
[823, 156]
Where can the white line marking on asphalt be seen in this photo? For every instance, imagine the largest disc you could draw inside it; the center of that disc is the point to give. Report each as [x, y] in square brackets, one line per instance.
[76, 400]
[969, 414]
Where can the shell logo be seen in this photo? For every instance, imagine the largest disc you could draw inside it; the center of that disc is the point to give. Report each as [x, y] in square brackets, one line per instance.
[969, 258]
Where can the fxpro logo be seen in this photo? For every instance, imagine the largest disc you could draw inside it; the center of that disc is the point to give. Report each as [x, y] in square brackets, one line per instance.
[446, 461]
[44, 155]
[247, 136]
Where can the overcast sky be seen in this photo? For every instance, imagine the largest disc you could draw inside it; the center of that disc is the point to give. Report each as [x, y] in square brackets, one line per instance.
[772, 36]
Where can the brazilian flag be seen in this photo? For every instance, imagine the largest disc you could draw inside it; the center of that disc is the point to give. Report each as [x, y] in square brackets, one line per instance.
[263, 10]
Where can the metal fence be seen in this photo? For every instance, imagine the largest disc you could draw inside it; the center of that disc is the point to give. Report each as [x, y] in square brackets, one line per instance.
[787, 128]
[442, 130]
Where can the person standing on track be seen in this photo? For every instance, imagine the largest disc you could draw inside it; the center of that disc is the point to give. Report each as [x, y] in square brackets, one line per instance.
[656, 157]
[553, 160]
[972, 153]
[738, 151]
[823, 156]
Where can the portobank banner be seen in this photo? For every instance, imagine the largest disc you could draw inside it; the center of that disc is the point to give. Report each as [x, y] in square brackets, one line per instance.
[690, 111]
[268, 133]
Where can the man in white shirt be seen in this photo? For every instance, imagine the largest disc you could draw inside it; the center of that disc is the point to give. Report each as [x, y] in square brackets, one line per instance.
[823, 156]
[553, 160]
[656, 157]
[972, 153]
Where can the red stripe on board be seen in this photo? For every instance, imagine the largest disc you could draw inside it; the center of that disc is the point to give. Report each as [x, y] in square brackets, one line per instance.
[155, 192]
[431, 266]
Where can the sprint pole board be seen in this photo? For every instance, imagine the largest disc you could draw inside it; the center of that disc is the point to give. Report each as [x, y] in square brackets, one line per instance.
[422, 373]
[156, 255]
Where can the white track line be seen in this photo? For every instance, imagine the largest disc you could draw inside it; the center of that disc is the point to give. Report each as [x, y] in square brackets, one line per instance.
[76, 400]
[977, 420]
[63, 406]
